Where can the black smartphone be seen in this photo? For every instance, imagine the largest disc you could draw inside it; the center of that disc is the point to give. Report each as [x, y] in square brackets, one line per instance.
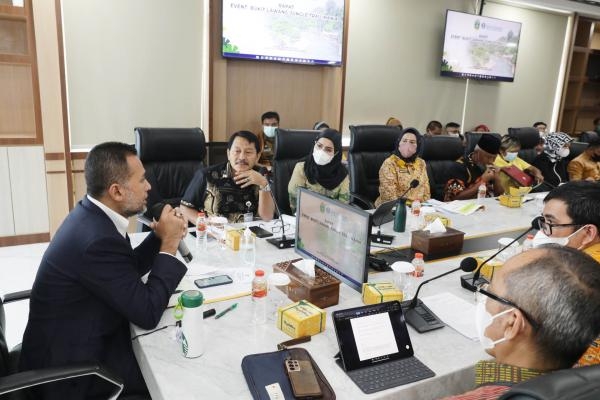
[213, 281]
[260, 232]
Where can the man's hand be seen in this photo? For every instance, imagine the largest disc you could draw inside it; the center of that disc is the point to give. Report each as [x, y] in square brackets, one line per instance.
[250, 177]
[171, 228]
[489, 174]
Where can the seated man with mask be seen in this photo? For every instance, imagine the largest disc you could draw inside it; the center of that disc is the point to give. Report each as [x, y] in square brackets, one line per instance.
[528, 331]
[270, 123]
[233, 188]
[572, 218]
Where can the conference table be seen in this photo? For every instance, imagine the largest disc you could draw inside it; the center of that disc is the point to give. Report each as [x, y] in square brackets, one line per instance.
[217, 374]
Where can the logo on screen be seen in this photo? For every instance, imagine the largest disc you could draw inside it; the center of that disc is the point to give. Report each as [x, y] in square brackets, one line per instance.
[476, 24]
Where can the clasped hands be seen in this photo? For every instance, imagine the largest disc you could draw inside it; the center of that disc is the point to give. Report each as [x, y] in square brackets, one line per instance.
[170, 228]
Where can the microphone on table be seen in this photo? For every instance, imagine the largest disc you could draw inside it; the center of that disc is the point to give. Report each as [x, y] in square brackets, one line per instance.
[413, 184]
[473, 281]
[418, 315]
[379, 218]
[283, 242]
[182, 248]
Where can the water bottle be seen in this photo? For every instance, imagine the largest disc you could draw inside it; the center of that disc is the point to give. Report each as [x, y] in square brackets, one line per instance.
[481, 193]
[400, 216]
[419, 265]
[201, 231]
[528, 243]
[259, 297]
[415, 210]
[248, 248]
[192, 324]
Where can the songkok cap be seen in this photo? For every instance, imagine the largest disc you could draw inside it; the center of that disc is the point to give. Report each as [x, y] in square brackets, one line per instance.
[489, 143]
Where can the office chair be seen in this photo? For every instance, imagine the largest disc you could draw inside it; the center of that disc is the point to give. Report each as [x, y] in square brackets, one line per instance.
[370, 145]
[573, 384]
[440, 154]
[291, 146]
[12, 382]
[576, 149]
[529, 138]
[170, 156]
[588, 136]
[472, 138]
[216, 152]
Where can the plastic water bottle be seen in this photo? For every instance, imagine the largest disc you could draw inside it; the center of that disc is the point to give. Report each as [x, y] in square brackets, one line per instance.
[415, 210]
[481, 193]
[201, 231]
[528, 243]
[192, 324]
[259, 297]
[419, 265]
[400, 216]
[248, 248]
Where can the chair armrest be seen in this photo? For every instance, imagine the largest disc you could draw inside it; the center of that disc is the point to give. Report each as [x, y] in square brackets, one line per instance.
[16, 296]
[363, 202]
[22, 380]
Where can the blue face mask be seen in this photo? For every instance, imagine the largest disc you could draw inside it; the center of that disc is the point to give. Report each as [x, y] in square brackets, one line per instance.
[510, 156]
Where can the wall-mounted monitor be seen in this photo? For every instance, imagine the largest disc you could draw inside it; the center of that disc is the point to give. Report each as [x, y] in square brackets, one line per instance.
[291, 31]
[478, 47]
[335, 235]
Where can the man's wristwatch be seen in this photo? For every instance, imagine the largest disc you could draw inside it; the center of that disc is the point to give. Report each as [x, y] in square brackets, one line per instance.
[266, 188]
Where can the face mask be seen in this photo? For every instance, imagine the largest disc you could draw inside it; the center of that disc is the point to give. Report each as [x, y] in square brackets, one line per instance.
[564, 152]
[510, 156]
[541, 238]
[483, 319]
[321, 158]
[407, 150]
[269, 130]
[452, 134]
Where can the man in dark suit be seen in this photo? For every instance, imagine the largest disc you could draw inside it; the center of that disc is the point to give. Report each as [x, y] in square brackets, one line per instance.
[88, 288]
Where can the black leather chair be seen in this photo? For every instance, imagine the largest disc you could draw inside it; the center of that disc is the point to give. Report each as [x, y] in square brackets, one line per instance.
[170, 156]
[291, 146]
[370, 145]
[440, 154]
[588, 136]
[12, 382]
[216, 152]
[529, 138]
[573, 384]
[472, 138]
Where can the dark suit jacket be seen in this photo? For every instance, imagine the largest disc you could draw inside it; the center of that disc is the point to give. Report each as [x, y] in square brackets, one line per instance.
[87, 291]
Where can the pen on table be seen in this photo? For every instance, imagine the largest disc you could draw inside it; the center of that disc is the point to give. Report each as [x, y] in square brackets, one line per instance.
[225, 311]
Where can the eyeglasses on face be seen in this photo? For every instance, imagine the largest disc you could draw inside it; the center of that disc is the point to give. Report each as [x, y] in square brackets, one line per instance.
[482, 293]
[547, 227]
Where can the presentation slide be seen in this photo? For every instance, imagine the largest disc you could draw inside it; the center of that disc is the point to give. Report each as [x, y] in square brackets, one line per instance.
[334, 235]
[293, 31]
[480, 47]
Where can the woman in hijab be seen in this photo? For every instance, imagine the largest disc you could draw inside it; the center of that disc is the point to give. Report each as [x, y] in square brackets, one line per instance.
[553, 161]
[402, 167]
[322, 171]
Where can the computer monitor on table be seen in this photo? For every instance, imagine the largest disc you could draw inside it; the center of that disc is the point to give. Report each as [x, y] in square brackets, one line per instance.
[335, 235]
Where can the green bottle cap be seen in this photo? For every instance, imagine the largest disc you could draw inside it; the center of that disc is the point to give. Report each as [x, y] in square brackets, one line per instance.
[191, 298]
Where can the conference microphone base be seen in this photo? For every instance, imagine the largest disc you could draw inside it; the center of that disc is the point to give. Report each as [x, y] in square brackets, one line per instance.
[383, 239]
[282, 243]
[466, 281]
[421, 318]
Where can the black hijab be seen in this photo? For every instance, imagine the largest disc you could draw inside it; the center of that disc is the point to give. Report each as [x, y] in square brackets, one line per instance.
[329, 175]
[412, 158]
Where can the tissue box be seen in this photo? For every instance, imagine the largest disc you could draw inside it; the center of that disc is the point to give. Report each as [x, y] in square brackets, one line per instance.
[232, 239]
[323, 290]
[379, 292]
[301, 319]
[434, 245]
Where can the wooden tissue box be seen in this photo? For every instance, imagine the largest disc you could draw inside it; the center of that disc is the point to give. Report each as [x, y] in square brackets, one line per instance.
[323, 290]
[442, 244]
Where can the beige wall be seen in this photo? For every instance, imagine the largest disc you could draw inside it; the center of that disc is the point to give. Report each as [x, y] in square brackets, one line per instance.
[394, 52]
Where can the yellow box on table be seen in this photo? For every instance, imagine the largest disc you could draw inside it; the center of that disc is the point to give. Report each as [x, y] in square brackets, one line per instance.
[301, 319]
[380, 292]
[514, 198]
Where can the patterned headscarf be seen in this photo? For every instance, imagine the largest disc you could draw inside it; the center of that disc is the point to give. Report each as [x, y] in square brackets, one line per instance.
[554, 142]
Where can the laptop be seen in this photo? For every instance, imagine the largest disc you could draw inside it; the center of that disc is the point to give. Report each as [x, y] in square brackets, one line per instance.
[375, 349]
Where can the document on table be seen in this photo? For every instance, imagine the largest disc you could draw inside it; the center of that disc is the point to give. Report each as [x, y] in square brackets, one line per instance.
[463, 207]
[457, 313]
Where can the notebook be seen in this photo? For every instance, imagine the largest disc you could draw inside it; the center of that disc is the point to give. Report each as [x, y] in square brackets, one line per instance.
[375, 349]
[518, 176]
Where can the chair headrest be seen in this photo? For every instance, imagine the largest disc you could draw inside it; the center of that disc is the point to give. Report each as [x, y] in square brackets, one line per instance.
[528, 136]
[170, 144]
[293, 143]
[373, 138]
[442, 147]
[588, 136]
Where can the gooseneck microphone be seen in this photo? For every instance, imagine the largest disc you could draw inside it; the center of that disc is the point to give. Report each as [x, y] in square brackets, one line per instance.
[182, 248]
[473, 281]
[413, 184]
[418, 315]
[282, 242]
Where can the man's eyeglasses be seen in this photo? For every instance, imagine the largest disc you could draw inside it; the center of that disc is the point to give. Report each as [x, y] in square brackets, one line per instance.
[482, 292]
[547, 227]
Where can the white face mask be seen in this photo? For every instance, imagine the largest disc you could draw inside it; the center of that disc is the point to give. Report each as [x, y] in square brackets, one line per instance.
[321, 158]
[541, 238]
[483, 319]
[564, 152]
[510, 156]
[269, 130]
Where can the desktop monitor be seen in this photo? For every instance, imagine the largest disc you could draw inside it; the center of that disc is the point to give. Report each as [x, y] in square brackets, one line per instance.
[335, 235]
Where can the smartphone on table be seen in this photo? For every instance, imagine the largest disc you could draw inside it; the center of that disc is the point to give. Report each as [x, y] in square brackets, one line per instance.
[213, 281]
[260, 232]
[302, 378]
